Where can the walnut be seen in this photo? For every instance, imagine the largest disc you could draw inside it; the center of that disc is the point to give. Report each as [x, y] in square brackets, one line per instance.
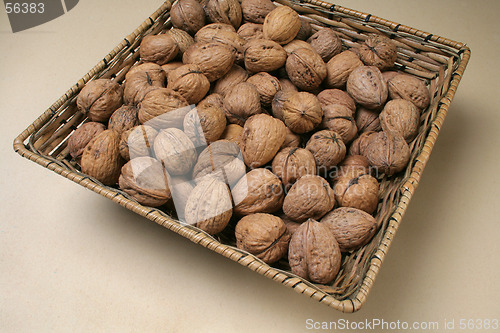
[327, 148]
[278, 102]
[137, 141]
[175, 150]
[351, 227]
[140, 80]
[292, 163]
[241, 102]
[224, 11]
[213, 99]
[259, 191]
[378, 51]
[292, 140]
[209, 206]
[262, 137]
[359, 192]
[204, 124]
[309, 197]
[263, 235]
[182, 39]
[256, 10]
[367, 87]
[359, 145]
[99, 98]
[336, 96]
[305, 69]
[189, 82]
[339, 118]
[410, 88]
[145, 180]
[181, 188]
[81, 137]
[232, 132]
[326, 42]
[296, 44]
[367, 120]
[262, 55]
[389, 75]
[282, 25]
[163, 108]
[305, 30]
[167, 68]
[188, 15]
[287, 85]
[235, 75]
[302, 112]
[221, 159]
[123, 119]
[214, 59]
[314, 253]
[101, 157]
[352, 166]
[388, 153]
[291, 226]
[225, 37]
[249, 31]
[339, 67]
[267, 86]
[159, 49]
[401, 117]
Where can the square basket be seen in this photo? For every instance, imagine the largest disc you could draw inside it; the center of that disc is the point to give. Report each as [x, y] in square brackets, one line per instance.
[439, 61]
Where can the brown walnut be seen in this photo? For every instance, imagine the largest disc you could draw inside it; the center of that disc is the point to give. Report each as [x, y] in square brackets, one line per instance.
[292, 140]
[124, 118]
[359, 145]
[82, 136]
[267, 86]
[140, 80]
[367, 120]
[189, 81]
[262, 55]
[204, 124]
[214, 59]
[326, 42]
[99, 98]
[232, 132]
[290, 164]
[339, 118]
[242, 102]
[410, 88]
[302, 112]
[305, 69]
[225, 37]
[182, 39]
[327, 148]
[339, 67]
[281, 25]
[175, 150]
[224, 11]
[401, 117]
[188, 15]
[163, 108]
[359, 192]
[378, 51]
[367, 87]
[388, 153]
[137, 141]
[249, 31]
[235, 75]
[159, 49]
[256, 10]
[336, 96]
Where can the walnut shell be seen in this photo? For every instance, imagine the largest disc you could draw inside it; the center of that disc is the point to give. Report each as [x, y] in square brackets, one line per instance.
[310, 197]
[326, 42]
[137, 141]
[389, 75]
[339, 118]
[327, 148]
[235, 75]
[296, 44]
[256, 10]
[314, 253]
[305, 30]
[221, 159]
[302, 112]
[204, 124]
[262, 55]
[287, 85]
[336, 96]
[209, 206]
[305, 69]
[367, 87]
[159, 49]
[99, 98]
[388, 153]
[181, 188]
[352, 166]
[259, 191]
[140, 80]
[400, 117]
[278, 101]
[367, 120]
[262, 137]
[291, 226]
[359, 192]
[359, 145]
[339, 67]
[124, 118]
[292, 140]
[212, 99]
[82, 136]
[378, 51]
[214, 59]
[267, 86]
[281, 25]
[290, 164]
[249, 31]
[189, 82]
[163, 108]
[263, 235]
[410, 88]
[101, 157]
[224, 11]
[241, 102]
[188, 15]
[225, 37]
[351, 227]
[232, 132]
[175, 150]
[182, 39]
[145, 180]
[167, 68]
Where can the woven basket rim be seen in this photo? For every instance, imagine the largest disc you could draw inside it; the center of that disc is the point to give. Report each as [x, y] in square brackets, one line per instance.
[354, 302]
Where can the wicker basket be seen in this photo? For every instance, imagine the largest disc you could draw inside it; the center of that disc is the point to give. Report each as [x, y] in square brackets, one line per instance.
[440, 61]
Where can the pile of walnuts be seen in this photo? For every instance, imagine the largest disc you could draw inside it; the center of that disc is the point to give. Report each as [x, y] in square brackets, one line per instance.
[243, 112]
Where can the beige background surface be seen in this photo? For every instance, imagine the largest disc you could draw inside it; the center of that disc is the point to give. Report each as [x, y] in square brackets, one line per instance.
[71, 260]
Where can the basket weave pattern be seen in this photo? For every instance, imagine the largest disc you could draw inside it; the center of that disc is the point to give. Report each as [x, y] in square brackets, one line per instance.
[439, 61]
